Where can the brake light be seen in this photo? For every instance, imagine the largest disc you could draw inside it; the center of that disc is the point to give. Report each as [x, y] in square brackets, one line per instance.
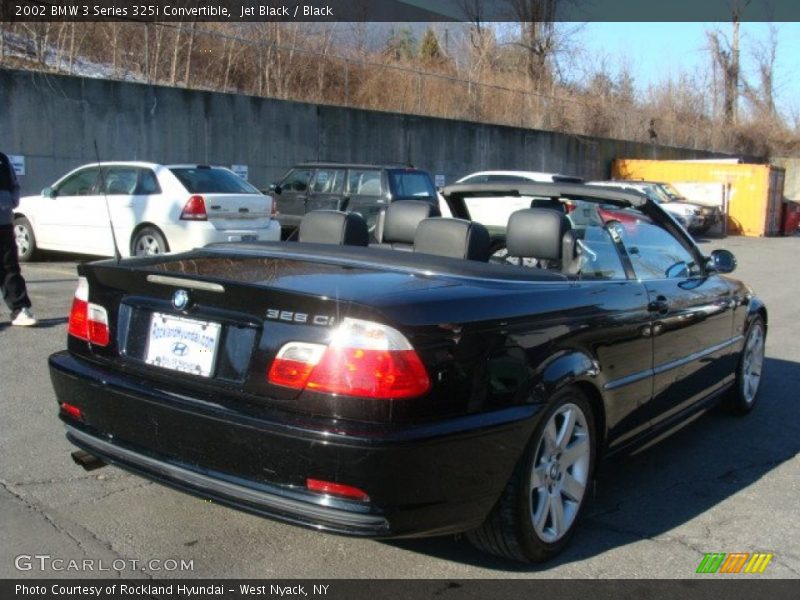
[274, 210]
[88, 321]
[194, 209]
[363, 359]
[336, 489]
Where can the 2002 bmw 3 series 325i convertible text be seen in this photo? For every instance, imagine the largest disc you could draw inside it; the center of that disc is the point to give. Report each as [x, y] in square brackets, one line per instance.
[441, 378]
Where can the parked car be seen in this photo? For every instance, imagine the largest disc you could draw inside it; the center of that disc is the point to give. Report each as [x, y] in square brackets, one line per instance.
[494, 212]
[710, 213]
[361, 188]
[386, 392]
[687, 214]
[154, 208]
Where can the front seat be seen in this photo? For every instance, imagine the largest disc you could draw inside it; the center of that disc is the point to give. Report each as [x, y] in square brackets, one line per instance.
[333, 227]
[544, 234]
[453, 238]
[398, 223]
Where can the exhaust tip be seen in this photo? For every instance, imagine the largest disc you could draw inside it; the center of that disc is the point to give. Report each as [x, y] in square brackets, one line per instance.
[88, 461]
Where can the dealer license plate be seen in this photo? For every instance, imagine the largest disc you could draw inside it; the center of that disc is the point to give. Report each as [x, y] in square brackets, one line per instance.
[181, 344]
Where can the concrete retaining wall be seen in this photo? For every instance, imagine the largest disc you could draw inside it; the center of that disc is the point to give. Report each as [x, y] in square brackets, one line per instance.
[54, 120]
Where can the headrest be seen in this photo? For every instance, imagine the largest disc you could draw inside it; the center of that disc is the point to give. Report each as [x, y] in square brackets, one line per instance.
[536, 233]
[402, 219]
[454, 238]
[333, 227]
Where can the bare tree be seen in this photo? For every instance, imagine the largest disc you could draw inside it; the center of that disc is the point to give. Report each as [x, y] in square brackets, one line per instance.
[726, 55]
[762, 96]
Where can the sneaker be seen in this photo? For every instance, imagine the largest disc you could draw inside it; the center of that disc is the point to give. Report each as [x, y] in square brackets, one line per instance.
[24, 318]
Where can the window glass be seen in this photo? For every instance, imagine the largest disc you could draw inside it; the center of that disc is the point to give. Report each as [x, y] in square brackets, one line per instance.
[507, 179]
[212, 180]
[364, 183]
[329, 181]
[120, 180]
[148, 184]
[654, 252]
[411, 185]
[79, 184]
[476, 179]
[597, 255]
[296, 180]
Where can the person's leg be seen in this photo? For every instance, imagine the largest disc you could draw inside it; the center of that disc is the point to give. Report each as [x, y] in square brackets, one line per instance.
[15, 293]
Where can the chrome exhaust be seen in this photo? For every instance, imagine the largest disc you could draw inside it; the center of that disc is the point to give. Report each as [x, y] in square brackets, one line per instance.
[88, 461]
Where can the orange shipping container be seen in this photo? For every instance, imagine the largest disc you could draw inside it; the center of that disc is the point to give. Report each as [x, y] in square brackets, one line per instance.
[755, 192]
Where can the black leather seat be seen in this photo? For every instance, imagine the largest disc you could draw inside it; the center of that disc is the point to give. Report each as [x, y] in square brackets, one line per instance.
[398, 223]
[454, 238]
[544, 234]
[333, 227]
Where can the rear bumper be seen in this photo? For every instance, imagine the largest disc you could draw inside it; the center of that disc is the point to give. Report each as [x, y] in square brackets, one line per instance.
[186, 235]
[422, 480]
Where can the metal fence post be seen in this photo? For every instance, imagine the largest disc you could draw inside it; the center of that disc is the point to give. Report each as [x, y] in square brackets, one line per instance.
[346, 82]
[419, 92]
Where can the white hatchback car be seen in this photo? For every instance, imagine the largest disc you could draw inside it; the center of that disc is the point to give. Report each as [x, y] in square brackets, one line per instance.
[154, 209]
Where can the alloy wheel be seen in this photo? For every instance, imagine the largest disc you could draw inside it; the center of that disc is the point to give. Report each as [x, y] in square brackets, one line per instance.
[560, 473]
[752, 362]
[147, 245]
[23, 239]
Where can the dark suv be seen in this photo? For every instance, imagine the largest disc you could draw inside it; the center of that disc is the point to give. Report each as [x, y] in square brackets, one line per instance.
[364, 189]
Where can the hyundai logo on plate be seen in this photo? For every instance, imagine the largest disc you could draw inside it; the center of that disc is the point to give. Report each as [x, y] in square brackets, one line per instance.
[180, 299]
[180, 349]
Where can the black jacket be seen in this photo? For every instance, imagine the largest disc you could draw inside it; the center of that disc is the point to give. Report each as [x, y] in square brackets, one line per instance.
[9, 191]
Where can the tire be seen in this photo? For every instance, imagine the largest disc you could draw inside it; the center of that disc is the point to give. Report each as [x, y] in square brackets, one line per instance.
[523, 525]
[26, 240]
[148, 241]
[744, 395]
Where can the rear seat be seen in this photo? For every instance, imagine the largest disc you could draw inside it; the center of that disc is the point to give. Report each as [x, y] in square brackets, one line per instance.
[333, 227]
[398, 223]
[546, 235]
[453, 238]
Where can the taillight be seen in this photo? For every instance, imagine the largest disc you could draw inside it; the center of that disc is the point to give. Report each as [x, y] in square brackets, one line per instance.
[274, 210]
[87, 321]
[194, 209]
[363, 359]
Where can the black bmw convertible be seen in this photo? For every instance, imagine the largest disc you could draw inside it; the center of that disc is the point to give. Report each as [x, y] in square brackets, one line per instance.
[436, 376]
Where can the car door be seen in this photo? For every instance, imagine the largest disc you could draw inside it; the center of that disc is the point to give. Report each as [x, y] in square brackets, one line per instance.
[691, 319]
[326, 191]
[62, 220]
[291, 201]
[365, 194]
[119, 185]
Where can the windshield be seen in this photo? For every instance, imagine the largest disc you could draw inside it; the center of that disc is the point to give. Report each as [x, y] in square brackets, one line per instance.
[670, 191]
[658, 192]
[212, 180]
[409, 185]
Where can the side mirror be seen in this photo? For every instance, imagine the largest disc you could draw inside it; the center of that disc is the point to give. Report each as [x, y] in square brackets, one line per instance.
[49, 192]
[721, 261]
[274, 187]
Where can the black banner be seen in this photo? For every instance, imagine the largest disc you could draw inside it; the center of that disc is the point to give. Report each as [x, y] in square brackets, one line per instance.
[702, 588]
[400, 10]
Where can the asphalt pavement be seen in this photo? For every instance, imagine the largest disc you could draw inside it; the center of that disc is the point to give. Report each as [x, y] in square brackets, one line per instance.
[722, 484]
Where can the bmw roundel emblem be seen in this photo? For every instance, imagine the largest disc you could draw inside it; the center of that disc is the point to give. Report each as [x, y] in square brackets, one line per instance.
[180, 299]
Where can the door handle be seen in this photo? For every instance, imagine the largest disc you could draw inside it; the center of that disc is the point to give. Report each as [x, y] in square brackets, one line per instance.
[660, 305]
